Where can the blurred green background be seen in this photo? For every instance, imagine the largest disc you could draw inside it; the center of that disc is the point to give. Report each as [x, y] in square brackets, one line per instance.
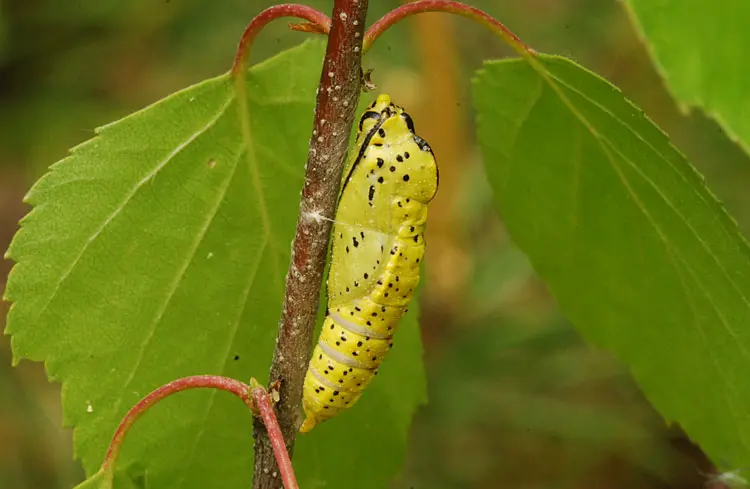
[517, 398]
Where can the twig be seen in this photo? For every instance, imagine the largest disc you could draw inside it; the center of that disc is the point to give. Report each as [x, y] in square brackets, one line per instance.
[263, 403]
[338, 94]
[447, 6]
[318, 22]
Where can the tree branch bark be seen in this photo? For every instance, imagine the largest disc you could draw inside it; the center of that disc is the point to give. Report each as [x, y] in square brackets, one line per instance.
[338, 95]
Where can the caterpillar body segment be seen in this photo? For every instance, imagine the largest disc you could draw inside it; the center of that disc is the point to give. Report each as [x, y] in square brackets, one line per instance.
[378, 246]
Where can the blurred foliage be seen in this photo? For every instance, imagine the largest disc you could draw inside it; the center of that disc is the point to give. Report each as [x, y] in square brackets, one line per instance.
[517, 399]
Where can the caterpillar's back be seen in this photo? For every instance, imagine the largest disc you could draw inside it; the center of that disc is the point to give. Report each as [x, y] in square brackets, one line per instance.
[378, 244]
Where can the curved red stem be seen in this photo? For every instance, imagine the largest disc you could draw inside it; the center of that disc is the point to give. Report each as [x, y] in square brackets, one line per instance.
[318, 19]
[310, 27]
[236, 387]
[263, 403]
[448, 6]
[254, 397]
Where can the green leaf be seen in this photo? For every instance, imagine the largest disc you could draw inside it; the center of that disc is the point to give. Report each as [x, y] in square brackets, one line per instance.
[158, 250]
[702, 50]
[639, 254]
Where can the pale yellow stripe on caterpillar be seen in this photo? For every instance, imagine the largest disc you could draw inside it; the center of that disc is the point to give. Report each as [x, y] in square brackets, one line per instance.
[377, 248]
[346, 359]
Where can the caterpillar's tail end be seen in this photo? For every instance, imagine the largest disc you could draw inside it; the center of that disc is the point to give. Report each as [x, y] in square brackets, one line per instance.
[308, 424]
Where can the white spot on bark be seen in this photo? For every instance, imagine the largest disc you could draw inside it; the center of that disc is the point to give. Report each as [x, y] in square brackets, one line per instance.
[356, 34]
[314, 216]
[330, 74]
[320, 139]
[356, 22]
[356, 49]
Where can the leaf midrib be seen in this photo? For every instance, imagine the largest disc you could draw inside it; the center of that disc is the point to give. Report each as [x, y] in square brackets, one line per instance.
[232, 337]
[604, 144]
[174, 284]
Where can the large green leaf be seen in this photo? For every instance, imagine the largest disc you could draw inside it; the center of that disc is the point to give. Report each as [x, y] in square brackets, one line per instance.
[158, 250]
[639, 254]
[702, 50]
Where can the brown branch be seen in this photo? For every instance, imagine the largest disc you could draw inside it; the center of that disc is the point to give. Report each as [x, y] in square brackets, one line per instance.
[338, 95]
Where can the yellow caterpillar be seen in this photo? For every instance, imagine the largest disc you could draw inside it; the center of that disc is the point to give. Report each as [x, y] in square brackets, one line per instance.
[378, 244]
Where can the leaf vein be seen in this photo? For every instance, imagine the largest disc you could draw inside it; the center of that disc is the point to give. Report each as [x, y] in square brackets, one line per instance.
[125, 202]
[682, 218]
[232, 337]
[671, 250]
[552, 80]
[251, 159]
[173, 286]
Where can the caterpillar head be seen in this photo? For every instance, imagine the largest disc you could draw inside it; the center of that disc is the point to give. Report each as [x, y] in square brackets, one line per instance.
[389, 130]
